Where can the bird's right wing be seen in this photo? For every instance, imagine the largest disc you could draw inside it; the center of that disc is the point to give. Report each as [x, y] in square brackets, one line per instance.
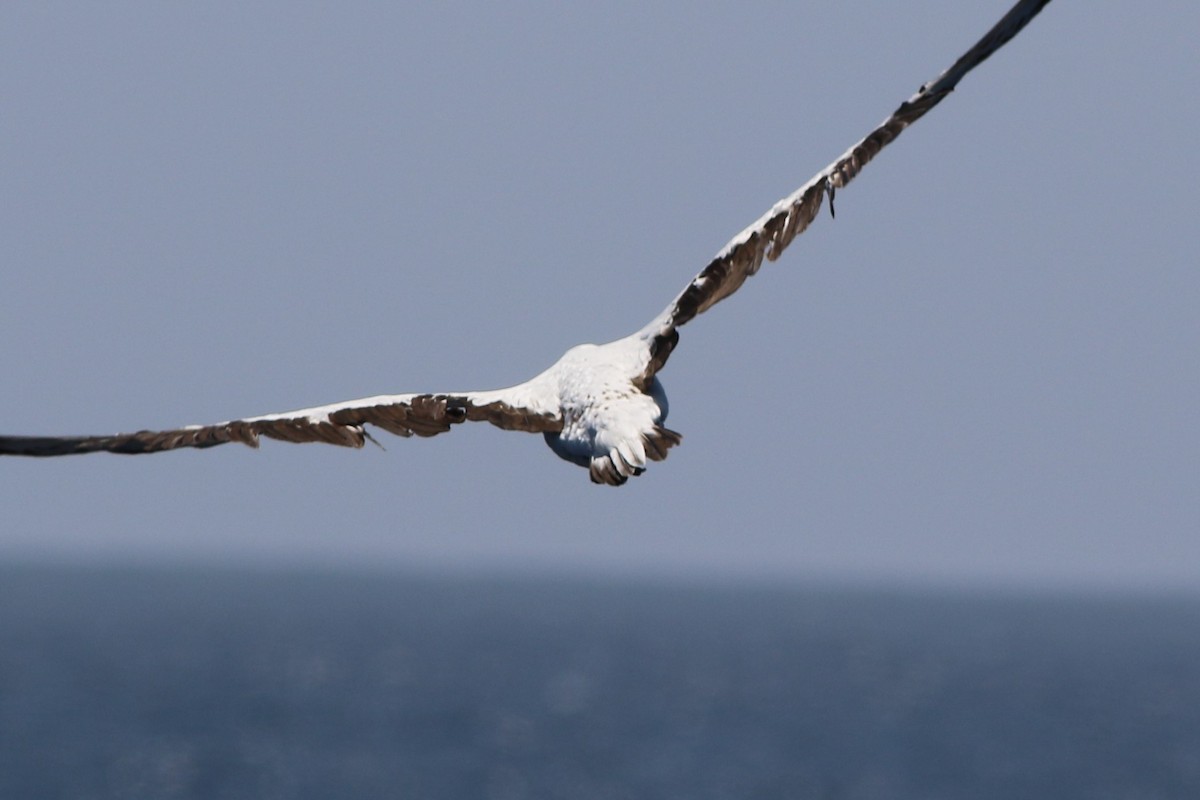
[771, 233]
[520, 408]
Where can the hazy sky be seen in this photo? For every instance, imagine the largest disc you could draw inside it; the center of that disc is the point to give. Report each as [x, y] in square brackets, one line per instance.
[984, 370]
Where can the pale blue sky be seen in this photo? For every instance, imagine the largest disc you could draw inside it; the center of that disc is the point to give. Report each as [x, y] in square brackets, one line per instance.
[984, 370]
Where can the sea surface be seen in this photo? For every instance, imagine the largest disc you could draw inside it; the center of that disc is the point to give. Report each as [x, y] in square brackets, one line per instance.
[207, 683]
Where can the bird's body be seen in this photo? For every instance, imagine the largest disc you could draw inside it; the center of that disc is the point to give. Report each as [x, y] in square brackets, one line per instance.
[599, 406]
[611, 419]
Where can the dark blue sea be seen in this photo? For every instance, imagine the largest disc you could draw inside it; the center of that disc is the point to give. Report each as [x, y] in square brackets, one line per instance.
[146, 683]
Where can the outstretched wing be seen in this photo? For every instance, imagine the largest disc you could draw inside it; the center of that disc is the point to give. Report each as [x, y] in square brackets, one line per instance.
[520, 408]
[771, 233]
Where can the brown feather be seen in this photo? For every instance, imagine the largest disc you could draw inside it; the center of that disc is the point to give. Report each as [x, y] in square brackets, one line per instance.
[423, 415]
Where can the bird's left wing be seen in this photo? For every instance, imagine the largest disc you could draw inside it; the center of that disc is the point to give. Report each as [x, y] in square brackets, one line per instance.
[771, 233]
[520, 408]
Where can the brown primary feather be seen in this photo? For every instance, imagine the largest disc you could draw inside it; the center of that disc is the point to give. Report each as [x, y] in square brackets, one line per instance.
[422, 415]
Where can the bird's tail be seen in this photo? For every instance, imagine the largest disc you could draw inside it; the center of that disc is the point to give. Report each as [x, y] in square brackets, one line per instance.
[619, 465]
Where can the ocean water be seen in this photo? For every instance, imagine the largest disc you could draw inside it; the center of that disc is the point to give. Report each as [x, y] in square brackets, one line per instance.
[242, 684]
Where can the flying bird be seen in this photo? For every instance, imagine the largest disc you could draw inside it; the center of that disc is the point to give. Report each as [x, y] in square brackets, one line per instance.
[599, 406]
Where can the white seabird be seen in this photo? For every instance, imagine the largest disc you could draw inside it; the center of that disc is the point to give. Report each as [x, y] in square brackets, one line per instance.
[599, 406]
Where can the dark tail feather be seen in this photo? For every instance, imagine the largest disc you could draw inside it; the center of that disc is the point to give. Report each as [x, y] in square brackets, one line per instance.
[659, 441]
